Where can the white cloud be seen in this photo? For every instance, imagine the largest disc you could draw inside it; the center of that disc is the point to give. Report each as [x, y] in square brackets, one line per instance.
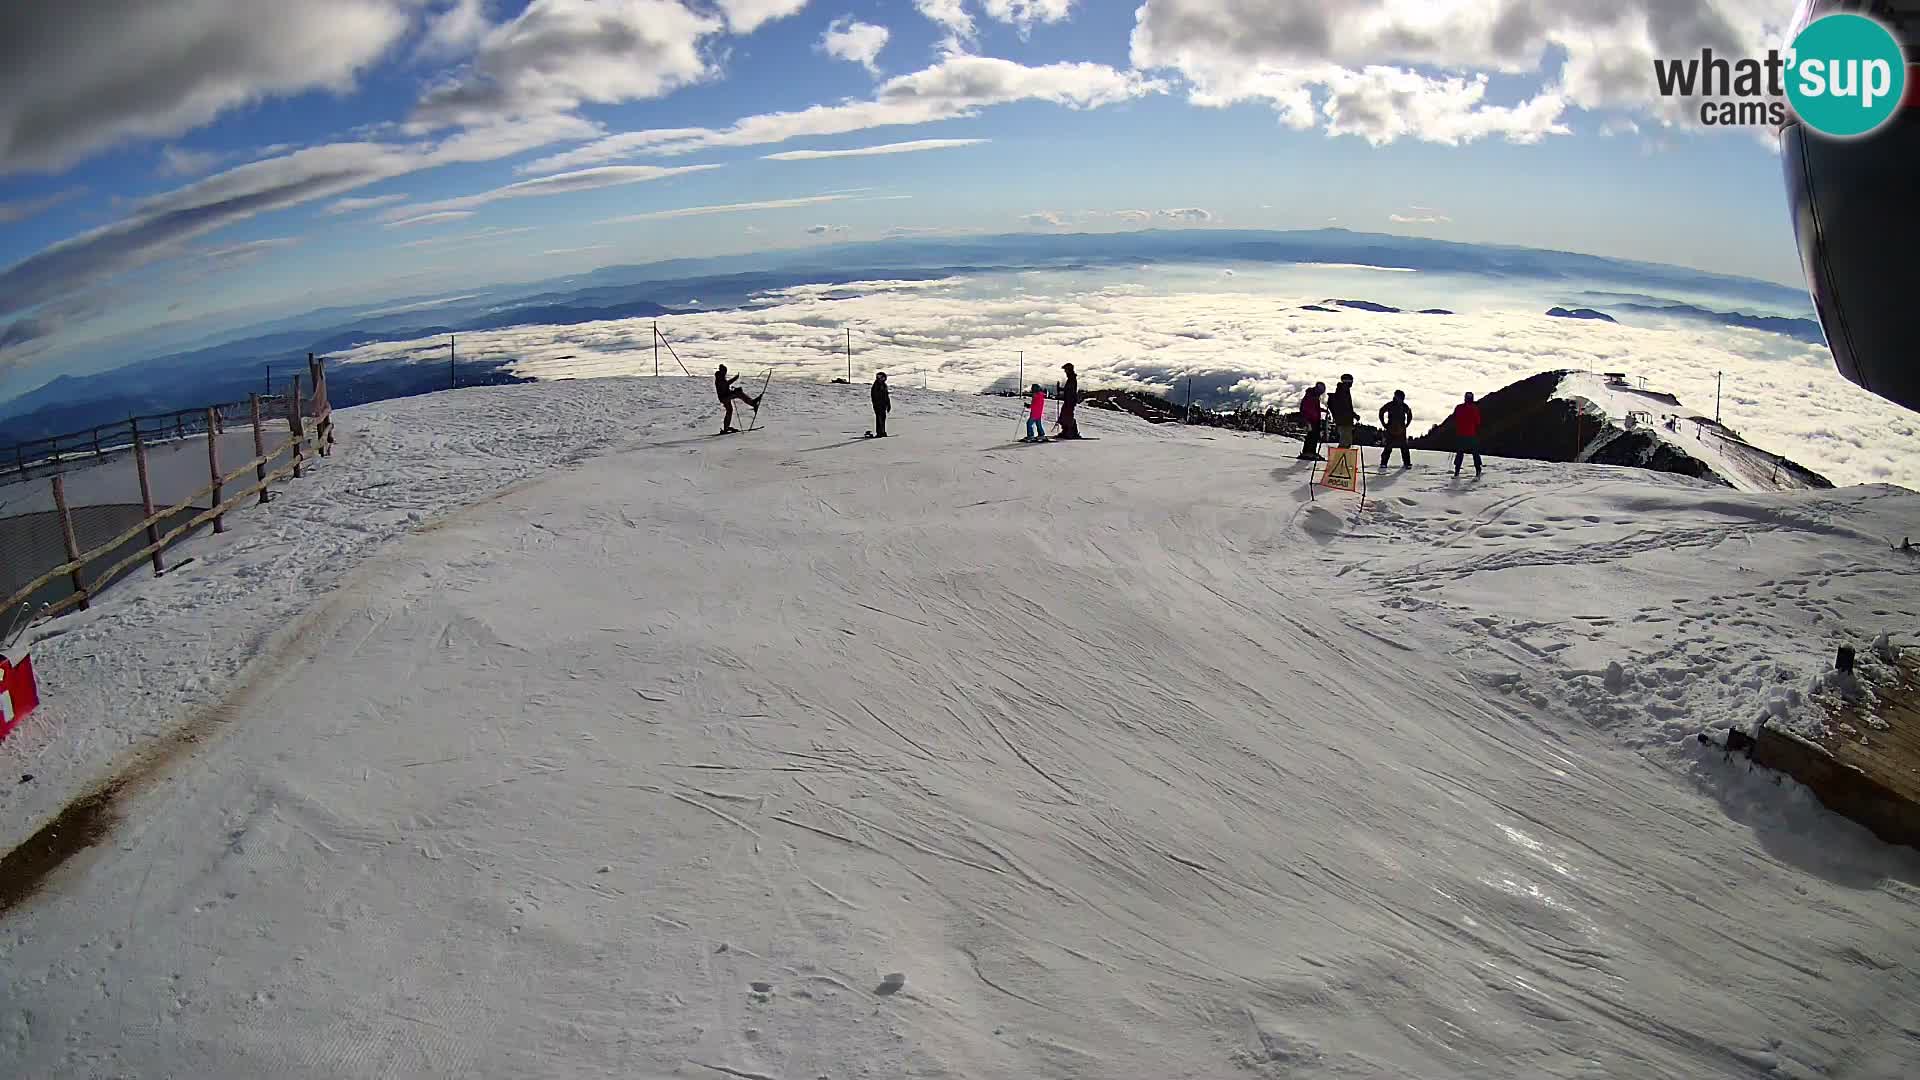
[957, 87]
[81, 76]
[1783, 395]
[1354, 68]
[873, 151]
[847, 38]
[1192, 215]
[1135, 217]
[1619, 126]
[179, 161]
[950, 15]
[1051, 219]
[456, 31]
[577, 250]
[1419, 219]
[355, 205]
[234, 254]
[725, 208]
[156, 228]
[22, 209]
[1024, 13]
[558, 184]
[438, 217]
[483, 236]
[746, 16]
[560, 54]
[825, 230]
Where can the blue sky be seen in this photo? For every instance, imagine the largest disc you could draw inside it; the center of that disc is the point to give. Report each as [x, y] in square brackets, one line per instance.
[203, 161]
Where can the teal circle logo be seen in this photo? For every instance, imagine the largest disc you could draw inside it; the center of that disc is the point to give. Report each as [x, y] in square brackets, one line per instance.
[1845, 75]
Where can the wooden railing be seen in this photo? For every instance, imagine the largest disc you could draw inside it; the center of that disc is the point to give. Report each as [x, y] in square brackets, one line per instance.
[79, 449]
[309, 431]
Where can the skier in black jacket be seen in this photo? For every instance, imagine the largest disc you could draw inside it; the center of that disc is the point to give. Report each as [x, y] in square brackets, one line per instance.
[882, 404]
[1069, 397]
[728, 393]
[1396, 417]
[1340, 403]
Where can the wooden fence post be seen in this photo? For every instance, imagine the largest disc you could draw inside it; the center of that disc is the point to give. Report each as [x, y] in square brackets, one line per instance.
[295, 428]
[66, 531]
[213, 470]
[259, 446]
[146, 498]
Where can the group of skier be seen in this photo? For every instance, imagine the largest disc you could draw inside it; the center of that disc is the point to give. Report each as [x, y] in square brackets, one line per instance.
[1319, 409]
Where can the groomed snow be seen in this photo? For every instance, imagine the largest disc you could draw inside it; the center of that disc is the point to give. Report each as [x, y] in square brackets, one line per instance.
[1128, 757]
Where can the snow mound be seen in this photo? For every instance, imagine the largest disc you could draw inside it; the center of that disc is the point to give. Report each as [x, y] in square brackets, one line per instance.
[554, 735]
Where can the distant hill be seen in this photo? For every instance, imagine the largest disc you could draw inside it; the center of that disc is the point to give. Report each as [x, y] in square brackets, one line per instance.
[1580, 313]
[1573, 416]
[1806, 330]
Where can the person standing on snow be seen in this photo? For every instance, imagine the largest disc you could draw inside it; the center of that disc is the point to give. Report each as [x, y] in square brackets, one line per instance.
[1466, 430]
[882, 404]
[1341, 405]
[1312, 414]
[1037, 416]
[728, 393]
[1396, 417]
[1069, 397]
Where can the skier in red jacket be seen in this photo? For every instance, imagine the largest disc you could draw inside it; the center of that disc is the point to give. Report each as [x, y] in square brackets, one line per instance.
[1313, 416]
[1466, 428]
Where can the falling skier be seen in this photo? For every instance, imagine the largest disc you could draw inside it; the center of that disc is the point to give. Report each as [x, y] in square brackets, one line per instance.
[728, 394]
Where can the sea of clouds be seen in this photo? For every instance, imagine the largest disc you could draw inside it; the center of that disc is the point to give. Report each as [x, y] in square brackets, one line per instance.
[1232, 335]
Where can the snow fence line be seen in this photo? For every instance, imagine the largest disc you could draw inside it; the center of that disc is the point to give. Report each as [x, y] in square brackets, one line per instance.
[309, 432]
[146, 660]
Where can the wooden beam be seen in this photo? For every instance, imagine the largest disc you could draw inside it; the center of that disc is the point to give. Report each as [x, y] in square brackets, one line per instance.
[66, 533]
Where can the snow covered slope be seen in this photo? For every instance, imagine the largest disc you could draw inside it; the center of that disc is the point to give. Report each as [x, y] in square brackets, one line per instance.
[1676, 431]
[1132, 760]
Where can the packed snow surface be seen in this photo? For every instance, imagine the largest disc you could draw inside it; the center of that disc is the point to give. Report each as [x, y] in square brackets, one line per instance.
[792, 754]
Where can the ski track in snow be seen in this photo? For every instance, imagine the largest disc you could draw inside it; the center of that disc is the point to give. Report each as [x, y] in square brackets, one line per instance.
[799, 755]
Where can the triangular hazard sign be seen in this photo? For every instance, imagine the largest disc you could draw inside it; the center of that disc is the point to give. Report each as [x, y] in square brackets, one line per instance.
[1340, 468]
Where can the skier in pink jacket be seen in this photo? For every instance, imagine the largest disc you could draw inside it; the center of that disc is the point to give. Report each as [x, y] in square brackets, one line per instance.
[1037, 416]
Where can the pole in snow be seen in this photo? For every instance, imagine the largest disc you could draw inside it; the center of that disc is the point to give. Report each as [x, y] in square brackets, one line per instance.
[453, 375]
[1716, 395]
[849, 355]
[656, 348]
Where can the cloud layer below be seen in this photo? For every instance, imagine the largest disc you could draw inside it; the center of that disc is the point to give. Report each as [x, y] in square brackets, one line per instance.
[1245, 337]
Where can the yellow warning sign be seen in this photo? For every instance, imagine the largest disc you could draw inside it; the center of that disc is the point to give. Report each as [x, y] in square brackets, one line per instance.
[1343, 468]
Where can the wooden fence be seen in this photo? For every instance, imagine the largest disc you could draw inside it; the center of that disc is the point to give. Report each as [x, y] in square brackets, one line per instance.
[309, 431]
[80, 449]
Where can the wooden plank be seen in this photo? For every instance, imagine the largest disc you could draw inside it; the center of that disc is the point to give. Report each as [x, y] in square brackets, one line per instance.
[1871, 776]
[259, 445]
[213, 467]
[66, 533]
[146, 499]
